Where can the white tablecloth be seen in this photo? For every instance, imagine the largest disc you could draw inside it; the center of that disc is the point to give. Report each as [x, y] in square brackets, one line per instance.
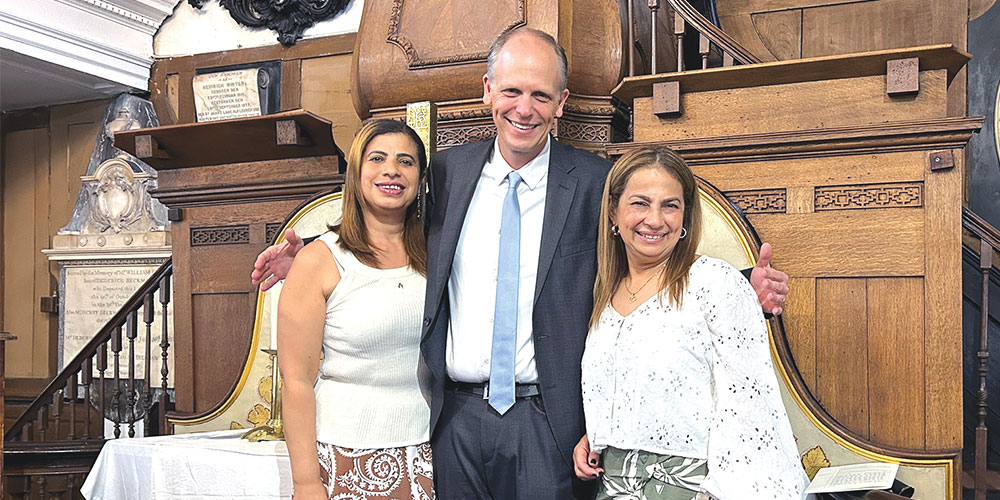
[189, 466]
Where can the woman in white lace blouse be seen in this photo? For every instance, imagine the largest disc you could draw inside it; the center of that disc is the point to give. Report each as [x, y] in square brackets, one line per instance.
[679, 393]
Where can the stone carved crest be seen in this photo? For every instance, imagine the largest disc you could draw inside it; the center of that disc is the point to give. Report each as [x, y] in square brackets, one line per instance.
[113, 208]
[119, 197]
[289, 18]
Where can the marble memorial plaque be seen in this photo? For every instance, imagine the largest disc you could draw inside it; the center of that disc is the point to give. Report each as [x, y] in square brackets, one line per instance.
[227, 94]
[92, 295]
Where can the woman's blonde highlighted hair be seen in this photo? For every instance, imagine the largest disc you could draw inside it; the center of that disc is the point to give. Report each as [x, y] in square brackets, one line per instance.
[352, 232]
[612, 263]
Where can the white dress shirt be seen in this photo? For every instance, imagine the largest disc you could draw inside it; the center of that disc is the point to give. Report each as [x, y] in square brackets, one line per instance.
[695, 381]
[472, 285]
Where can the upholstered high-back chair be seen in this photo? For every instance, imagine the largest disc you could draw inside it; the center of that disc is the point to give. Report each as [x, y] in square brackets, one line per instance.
[726, 235]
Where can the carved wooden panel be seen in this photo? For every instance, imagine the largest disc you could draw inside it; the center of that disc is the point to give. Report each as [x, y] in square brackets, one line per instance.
[895, 195]
[271, 230]
[760, 201]
[411, 51]
[455, 136]
[441, 40]
[220, 235]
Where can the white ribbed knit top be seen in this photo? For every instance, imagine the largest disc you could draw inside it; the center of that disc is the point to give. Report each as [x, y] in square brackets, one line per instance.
[373, 387]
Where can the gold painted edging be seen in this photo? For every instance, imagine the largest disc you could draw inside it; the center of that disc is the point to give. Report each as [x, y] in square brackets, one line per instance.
[830, 433]
[258, 317]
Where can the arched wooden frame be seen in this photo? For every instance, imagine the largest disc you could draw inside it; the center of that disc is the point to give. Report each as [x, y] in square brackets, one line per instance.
[228, 410]
[912, 462]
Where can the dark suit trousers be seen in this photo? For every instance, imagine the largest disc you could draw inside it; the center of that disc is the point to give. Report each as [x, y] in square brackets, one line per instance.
[481, 455]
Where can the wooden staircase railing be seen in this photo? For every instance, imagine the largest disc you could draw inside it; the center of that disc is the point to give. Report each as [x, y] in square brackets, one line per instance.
[715, 47]
[988, 247]
[54, 443]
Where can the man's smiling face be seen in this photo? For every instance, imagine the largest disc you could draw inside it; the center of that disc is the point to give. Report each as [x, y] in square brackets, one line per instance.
[525, 95]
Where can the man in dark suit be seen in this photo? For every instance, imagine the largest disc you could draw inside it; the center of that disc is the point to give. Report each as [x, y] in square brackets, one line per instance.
[523, 451]
[503, 336]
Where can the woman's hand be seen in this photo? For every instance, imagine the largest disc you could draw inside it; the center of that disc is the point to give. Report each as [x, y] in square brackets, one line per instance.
[310, 491]
[585, 462]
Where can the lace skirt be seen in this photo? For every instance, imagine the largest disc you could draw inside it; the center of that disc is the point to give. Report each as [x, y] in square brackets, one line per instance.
[403, 473]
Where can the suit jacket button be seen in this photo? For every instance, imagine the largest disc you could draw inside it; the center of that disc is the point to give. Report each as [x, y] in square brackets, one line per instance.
[427, 321]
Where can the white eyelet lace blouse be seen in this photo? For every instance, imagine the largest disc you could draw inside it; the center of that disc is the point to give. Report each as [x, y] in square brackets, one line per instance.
[695, 382]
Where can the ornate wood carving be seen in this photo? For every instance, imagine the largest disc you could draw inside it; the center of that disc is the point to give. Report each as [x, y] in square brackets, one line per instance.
[585, 132]
[894, 195]
[271, 230]
[220, 235]
[760, 201]
[287, 17]
[455, 136]
[415, 60]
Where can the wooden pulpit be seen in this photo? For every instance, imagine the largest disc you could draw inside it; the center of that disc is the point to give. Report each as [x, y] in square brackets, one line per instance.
[853, 168]
[228, 186]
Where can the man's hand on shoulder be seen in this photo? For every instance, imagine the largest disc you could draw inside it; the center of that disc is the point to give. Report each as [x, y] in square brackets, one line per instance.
[770, 284]
[273, 263]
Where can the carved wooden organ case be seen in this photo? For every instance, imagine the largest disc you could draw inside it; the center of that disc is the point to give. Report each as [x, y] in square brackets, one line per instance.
[436, 50]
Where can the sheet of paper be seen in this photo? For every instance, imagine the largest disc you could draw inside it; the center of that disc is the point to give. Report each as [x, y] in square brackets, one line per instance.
[872, 476]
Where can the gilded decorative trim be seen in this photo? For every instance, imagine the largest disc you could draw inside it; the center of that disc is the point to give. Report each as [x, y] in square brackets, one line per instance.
[894, 195]
[220, 235]
[422, 117]
[948, 464]
[413, 59]
[255, 339]
[760, 201]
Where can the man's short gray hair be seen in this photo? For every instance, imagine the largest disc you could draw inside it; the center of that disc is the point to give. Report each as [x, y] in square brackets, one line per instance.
[504, 37]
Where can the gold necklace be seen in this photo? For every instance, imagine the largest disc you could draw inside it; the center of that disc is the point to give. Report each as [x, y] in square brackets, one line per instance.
[632, 294]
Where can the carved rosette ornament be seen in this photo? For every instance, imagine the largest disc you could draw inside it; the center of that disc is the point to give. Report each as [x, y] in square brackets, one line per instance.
[289, 18]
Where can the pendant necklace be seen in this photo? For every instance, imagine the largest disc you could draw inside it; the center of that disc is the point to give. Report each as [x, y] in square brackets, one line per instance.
[631, 297]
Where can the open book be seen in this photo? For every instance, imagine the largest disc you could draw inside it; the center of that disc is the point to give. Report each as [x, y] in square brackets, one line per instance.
[871, 476]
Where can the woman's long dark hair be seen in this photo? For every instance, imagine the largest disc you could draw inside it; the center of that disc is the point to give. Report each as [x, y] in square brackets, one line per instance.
[352, 232]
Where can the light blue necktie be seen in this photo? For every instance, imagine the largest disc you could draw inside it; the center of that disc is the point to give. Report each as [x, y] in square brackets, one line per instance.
[505, 315]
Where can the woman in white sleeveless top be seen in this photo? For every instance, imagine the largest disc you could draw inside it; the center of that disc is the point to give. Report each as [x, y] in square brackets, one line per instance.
[360, 429]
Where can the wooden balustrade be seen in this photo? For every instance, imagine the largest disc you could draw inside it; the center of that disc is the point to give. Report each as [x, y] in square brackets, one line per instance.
[53, 444]
[989, 245]
[714, 47]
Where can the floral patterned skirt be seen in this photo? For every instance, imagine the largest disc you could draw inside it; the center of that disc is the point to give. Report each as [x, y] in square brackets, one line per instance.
[641, 475]
[403, 473]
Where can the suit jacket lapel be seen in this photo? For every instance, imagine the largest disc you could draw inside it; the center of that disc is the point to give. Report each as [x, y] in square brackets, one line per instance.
[463, 176]
[558, 199]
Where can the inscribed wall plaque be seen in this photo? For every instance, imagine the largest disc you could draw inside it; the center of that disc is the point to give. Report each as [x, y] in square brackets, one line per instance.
[227, 94]
[92, 295]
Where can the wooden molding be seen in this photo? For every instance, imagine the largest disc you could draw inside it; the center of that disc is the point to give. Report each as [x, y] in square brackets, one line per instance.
[945, 133]
[799, 70]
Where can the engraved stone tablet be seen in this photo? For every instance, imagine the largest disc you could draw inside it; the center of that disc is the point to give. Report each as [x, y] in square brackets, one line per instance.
[93, 292]
[227, 94]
